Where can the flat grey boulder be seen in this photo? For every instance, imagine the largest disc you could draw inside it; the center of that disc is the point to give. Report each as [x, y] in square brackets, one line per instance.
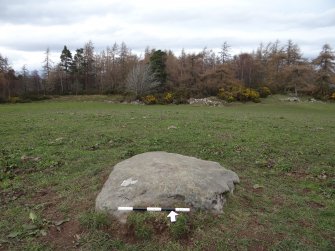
[161, 179]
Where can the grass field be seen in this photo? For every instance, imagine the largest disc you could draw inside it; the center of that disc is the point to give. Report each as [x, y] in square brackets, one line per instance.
[56, 155]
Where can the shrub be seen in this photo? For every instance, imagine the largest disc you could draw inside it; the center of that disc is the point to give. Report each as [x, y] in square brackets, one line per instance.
[230, 98]
[28, 98]
[150, 100]
[226, 95]
[332, 97]
[264, 91]
[181, 96]
[180, 100]
[254, 95]
[33, 97]
[240, 94]
[248, 94]
[168, 98]
[15, 100]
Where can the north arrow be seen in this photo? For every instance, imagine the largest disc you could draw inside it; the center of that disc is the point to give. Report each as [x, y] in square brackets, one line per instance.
[172, 216]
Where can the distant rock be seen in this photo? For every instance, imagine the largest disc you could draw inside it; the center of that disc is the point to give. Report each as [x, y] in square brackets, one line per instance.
[291, 99]
[166, 180]
[313, 100]
[210, 101]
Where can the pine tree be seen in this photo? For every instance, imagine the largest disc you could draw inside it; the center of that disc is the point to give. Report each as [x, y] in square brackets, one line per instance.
[66, 59]
[158, 67]
[77, 69]
[65, 64]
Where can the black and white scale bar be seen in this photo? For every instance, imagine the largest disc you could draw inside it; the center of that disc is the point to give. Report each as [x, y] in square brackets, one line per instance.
[154, 209]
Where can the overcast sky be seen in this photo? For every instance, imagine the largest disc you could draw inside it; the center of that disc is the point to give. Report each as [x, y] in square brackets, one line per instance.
[28, 27]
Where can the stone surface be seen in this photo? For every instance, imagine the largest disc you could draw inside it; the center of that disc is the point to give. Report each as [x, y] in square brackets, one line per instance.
[210, 101]
[164, 179]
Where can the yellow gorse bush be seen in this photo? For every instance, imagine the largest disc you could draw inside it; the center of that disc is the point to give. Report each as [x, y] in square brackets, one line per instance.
[168, 98]
[150, 100]
[239, 94]
[264, 91]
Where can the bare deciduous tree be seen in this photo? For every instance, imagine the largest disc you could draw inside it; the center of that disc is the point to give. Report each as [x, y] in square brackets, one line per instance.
[25, 73]
[224, 53]
[47, 67]
[141, 80]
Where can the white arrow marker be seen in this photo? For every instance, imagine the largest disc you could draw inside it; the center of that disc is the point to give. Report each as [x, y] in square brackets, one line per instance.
[172, 216]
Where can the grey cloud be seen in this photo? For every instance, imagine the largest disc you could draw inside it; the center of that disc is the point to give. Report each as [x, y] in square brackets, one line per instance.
[51, 12]
[326, 19]
[196, 18]
[36, 24]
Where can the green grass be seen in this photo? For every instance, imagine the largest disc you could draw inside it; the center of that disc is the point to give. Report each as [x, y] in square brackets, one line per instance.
[286, 149]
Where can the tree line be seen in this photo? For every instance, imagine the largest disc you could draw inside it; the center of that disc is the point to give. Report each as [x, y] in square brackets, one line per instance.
[116, 70]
